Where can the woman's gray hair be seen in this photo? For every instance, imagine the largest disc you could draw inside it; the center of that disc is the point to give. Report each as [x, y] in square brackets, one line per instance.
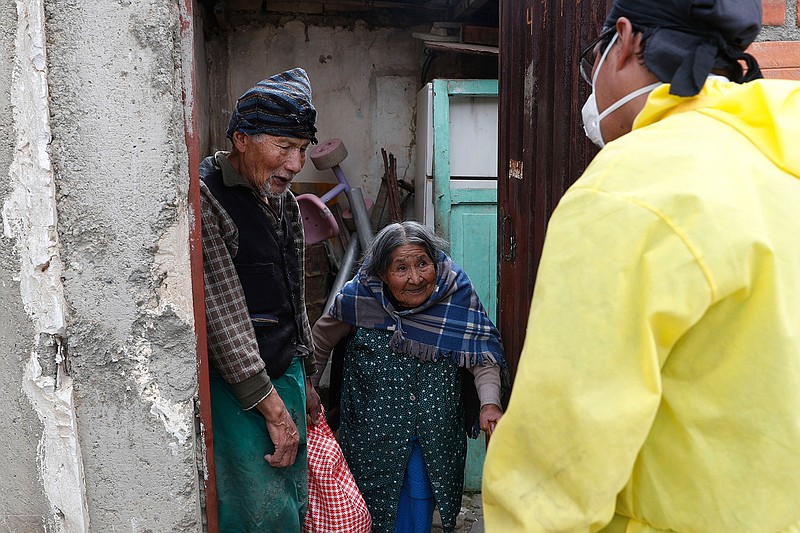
[379, 256]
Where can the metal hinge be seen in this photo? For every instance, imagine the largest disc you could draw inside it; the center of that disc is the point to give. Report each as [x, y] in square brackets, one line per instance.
[508, 239]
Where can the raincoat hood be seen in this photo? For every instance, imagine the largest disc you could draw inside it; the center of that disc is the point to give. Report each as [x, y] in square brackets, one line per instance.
[770, 119]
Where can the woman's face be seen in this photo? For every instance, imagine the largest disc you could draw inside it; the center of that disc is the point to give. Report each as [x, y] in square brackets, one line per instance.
[411, 277]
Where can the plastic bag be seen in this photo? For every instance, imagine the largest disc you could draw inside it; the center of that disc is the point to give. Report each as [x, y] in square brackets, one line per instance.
[335, 504]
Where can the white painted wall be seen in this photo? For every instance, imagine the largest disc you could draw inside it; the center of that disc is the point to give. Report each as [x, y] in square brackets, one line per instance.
[364, 83]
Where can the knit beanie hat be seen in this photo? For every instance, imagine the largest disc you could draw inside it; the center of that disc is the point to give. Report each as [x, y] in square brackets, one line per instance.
[280, 105]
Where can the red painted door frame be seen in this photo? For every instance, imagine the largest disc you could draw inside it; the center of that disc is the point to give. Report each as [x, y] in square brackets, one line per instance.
[196, 260]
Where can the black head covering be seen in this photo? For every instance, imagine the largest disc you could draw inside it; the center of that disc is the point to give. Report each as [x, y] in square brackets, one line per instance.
[686, 39]
[279, 105]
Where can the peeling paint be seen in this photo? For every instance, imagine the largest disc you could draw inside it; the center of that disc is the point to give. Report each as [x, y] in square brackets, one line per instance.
[29, 217]
[176, 417]
[29, 213]
[170, 264]
[59, 450]
[529, 95]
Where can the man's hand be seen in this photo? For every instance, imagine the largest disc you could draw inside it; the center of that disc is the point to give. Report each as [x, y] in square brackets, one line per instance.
[282, 431]
[313, 404]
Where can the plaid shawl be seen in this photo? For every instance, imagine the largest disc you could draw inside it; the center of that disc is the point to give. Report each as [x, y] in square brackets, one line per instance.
[451, 323]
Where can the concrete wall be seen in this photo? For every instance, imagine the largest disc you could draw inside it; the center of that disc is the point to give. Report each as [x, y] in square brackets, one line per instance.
[364, 81]
[23, 506]
[96, 330]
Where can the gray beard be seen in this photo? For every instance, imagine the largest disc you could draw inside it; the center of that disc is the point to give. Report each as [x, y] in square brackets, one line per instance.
[267, 192]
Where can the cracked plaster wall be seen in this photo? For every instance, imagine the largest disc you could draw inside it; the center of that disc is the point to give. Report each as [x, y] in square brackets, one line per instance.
[96, 332]
[364, 82]
[23, 506]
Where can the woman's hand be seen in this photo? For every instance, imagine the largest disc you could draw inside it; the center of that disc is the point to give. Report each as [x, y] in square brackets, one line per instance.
[490, 415]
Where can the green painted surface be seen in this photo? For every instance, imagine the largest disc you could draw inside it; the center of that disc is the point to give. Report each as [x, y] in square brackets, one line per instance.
[442, 91]
[472, 87]
[441, 159]
[474, 247]
[467, 218]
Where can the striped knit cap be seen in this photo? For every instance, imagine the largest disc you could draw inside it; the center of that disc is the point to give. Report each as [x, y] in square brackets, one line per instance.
[279, 105]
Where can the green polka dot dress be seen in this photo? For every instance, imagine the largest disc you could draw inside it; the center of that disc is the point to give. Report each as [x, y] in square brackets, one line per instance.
[387, 398]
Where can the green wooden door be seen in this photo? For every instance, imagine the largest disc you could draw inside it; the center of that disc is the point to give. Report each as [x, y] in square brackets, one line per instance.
[473, 240]
[465, 214]
[473, 245]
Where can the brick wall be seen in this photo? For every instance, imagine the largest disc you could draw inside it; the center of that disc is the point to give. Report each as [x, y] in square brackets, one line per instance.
[774, 12]
[778, 59]
[778, 48]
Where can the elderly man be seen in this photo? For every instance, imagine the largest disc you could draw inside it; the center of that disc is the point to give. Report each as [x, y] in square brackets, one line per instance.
[259, 340]
[659, 384]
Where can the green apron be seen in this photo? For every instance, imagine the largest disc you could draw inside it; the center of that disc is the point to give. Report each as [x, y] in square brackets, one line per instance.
[252, 496]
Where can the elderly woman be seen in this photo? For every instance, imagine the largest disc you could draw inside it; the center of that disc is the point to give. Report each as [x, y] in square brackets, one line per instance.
[414, 321]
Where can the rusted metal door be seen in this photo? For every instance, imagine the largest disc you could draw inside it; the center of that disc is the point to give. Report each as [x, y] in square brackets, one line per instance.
[542, 146]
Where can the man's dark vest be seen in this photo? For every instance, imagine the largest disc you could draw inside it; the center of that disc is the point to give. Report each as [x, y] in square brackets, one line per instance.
[268, 269]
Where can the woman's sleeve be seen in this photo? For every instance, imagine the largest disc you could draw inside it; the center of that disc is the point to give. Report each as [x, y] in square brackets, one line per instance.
[487, 381]
[327, 332]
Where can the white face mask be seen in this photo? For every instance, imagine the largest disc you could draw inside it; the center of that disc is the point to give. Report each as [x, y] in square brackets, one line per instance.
[592, 116]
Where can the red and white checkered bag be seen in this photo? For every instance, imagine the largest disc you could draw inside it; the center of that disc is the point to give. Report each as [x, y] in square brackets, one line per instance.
[335, 504]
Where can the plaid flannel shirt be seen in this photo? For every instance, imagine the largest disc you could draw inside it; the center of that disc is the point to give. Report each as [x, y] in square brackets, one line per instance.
[232, 347]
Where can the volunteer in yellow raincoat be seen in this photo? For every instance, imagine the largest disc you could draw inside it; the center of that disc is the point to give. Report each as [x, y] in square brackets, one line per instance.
[659, 384]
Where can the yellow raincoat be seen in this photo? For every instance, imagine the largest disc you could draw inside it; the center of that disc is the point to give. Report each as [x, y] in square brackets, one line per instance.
[659, 385]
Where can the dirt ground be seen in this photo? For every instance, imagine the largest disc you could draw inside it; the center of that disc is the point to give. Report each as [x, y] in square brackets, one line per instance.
[470, 519]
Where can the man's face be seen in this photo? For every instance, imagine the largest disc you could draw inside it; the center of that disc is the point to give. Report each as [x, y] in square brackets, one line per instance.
[600, 68]
[621, 81]
[270, 163]
[590, 54]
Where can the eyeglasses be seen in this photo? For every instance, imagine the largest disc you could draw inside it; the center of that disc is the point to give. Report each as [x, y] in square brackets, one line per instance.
[586, 59]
